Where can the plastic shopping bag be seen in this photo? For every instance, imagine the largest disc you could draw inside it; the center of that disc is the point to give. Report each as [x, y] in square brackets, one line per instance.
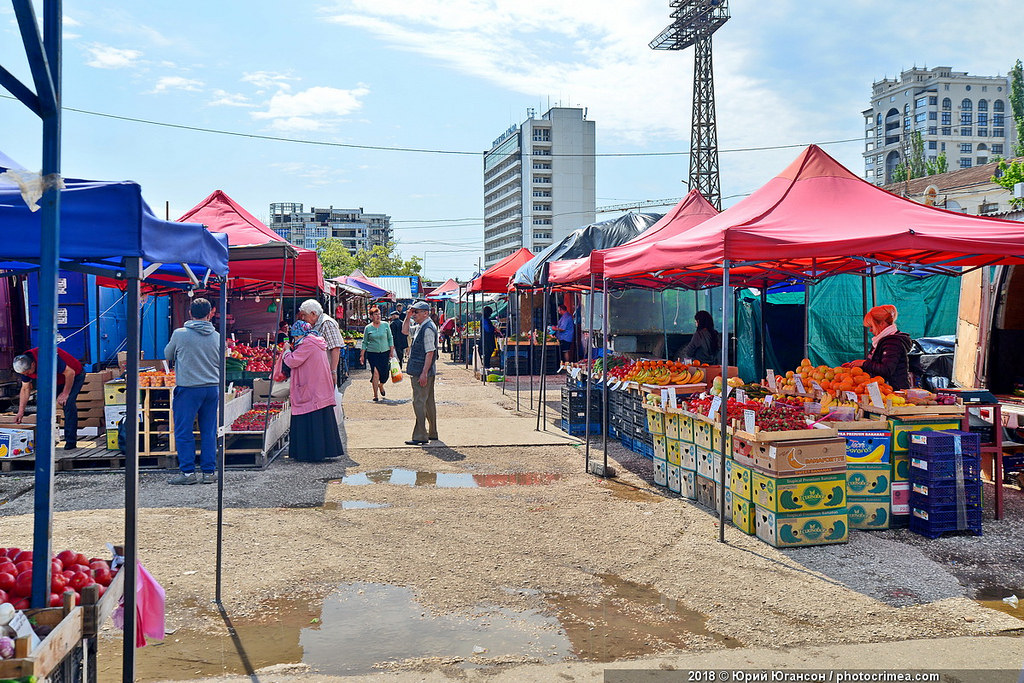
[396, 371]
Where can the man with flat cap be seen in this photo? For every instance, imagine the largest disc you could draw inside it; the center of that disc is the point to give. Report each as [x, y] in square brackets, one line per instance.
[421, 368]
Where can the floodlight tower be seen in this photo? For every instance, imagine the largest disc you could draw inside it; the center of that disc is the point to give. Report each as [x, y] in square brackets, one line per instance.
[693, 23]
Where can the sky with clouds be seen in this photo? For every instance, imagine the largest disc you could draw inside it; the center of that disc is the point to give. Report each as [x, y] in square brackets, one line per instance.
[336, 78]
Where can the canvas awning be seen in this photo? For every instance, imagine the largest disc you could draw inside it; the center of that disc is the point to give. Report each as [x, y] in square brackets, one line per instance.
[496, 278]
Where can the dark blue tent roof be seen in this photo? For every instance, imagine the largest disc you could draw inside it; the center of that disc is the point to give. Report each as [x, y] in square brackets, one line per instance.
[102, 222]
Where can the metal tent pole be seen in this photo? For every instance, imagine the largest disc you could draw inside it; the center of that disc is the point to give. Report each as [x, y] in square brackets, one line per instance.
[530, 356]
[604, 385]
[588, 386]
[518, 328]
[664, 324]
[542, 400]
[133, 267]
[222, 306]
[764, 329]
[508, 311]
[807, 319]
[864, 313]
[724, 422]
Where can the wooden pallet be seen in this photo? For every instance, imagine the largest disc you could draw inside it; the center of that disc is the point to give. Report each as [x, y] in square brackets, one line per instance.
[245, 451]
[23, 464]
[101, 460]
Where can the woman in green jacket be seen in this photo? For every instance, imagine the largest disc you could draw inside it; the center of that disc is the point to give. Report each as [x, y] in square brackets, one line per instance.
[378, 349]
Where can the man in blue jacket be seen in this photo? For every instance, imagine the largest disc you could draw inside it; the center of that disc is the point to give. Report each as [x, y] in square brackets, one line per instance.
[194, 350]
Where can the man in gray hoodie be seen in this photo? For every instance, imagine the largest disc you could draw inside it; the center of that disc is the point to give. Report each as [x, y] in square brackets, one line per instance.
[194, 351]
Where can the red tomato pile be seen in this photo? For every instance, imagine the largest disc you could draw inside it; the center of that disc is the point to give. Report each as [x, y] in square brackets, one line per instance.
[68, 571]
[734, 409]
[253, 420]
[258, 358]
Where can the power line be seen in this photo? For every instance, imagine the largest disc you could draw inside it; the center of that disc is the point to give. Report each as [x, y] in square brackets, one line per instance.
[419, 150]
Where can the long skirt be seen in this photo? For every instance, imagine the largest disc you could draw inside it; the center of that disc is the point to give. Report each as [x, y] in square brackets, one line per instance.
[314, 436]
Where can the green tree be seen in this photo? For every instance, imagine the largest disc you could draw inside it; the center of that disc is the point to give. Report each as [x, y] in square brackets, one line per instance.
[938, 166]
[378, 261]
[1017, 105]
[1008, 175]
[335, 257]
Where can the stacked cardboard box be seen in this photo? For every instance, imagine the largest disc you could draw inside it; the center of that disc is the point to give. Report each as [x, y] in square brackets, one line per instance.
[90, 400]
[869, 478]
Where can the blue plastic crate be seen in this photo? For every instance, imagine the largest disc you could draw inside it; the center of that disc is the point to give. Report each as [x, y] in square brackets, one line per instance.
[942, 444]
[943, 493]
[627, 441]
[579, 428]
[925, 471]
[933, 523]
[644, 449]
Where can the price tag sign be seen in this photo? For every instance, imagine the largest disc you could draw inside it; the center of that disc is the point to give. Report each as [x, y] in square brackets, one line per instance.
[771, 381]
[664, 398]
[800, 385]
[728, 390]
[815, 385]
[672, 397]
[768, 400]
[22, 628]
[716, 403]
[749, 420]
[741, 396]
[876, 395]
[850, 396]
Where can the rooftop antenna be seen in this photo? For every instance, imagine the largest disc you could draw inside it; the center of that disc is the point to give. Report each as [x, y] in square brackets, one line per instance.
[693, 23]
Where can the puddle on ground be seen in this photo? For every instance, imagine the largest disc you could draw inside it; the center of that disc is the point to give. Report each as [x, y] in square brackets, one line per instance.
[367, 627]
[629, 620]
[992, 597]
[628, 492]
[448, 480]
[355, 505]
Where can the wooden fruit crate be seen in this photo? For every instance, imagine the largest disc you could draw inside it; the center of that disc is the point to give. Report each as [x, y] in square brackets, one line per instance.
[897, 411]
[66, 635]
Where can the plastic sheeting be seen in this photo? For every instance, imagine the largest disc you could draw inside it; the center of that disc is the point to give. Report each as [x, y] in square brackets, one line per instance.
[581, 242]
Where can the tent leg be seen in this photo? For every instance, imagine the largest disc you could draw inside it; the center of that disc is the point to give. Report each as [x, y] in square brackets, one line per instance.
[664, 324]
[542, 399]
[530, 356]
[604, 385]
[518, 327]
[588, 386]
[724, 424]
[131, 469]
[807, 319]
[508, 310]
[764, 329]
[222, 306]
[864, 313]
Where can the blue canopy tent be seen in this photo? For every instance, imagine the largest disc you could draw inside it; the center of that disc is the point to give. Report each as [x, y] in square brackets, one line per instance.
[106, 229]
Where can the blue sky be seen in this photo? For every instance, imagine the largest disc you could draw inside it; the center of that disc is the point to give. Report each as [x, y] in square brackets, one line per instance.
[452, 75]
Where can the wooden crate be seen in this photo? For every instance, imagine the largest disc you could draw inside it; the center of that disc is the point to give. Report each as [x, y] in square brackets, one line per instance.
[66, 635]
[254, 450]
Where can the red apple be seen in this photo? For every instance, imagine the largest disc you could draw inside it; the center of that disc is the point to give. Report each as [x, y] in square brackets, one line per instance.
[67, 556]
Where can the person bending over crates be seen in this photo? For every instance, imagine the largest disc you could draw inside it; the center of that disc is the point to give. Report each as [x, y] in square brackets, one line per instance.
[194, 352]
[70, 378]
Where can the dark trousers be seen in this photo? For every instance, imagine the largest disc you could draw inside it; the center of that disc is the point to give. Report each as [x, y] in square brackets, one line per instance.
[400, 355]
[71, 412]
[190, 403]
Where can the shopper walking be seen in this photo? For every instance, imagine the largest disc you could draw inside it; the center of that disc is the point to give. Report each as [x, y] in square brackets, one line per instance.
[488, 336]
[314, 427]
[565, 332]
[422, 368]
[324, 325]
[194, 352]
[401, 341]
[70, 378]
[379, 349]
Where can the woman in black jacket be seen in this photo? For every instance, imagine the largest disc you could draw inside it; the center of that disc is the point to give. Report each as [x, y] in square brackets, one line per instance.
[706, 343]
[889, 348]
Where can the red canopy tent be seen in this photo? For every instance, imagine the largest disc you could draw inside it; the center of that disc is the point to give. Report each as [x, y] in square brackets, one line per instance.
[495, 279]
[816, 219]
[691, 211]
[449, 287]
[220, 213]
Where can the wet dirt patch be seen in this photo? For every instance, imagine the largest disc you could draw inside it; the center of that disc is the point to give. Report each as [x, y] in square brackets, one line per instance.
[403, 477]
[354, 505]
[630, 492]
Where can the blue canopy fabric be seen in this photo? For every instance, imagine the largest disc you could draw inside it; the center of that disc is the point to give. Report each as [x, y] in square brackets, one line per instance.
[102, 222]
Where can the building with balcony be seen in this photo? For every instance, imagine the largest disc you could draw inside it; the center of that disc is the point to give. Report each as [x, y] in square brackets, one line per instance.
[355, 228]
[539, 182]
[966, 117]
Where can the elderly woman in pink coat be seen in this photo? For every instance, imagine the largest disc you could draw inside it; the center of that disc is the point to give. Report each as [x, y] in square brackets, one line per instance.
[314, 429]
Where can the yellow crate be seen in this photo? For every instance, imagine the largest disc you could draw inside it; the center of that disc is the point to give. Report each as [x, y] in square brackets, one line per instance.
[869, 513]
[672, 425]
[115, 393]
[739, 480]
[655, 422]
[792, 495]
[810, 528]
[868, 481]
[659, 446]
[701, 433]
[742, 514]
[112, 440]
[686, 428]
[673, 448]
[716, 442]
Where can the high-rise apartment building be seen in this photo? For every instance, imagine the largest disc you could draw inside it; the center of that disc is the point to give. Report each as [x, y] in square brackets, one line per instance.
[966, 117]
[539, 182]
[355, 228]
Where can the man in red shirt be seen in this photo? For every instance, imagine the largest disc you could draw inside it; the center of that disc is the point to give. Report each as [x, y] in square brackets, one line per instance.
[70, 378]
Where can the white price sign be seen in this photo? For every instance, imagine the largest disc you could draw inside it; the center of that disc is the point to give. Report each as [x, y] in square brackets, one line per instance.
[800, 385]
[768, 400]
[741, 396]
[716, 403]
[664, 398]
[815, 385]
[876, 395]
[672, 397]
[749, 420]
[771, 381]
[850, 396]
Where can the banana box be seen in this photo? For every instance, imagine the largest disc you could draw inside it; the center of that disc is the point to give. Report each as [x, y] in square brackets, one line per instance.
[655, 422]
[801, 529]
[902, 428]
[115, 393]
[709, 464]
[869, 513]
[687, 456]
[796, 458]
[901, 466]
[798, 494]
[716, 442]
[702, 433]
[673, 448]
[658, 442]
[869, 480]
[672, 425]
[867, 447]
[707, 492]
[674, 483]
[688, 484]
[742, 514]
[685, 428]
[738, 477]
[660, 472]
[900, 497]
[112, 440]
[16, 442]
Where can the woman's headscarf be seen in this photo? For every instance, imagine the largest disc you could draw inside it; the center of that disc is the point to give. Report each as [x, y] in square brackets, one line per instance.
[299, 330]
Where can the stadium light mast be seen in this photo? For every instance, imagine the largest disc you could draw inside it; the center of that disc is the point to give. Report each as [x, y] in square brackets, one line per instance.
[693, 23]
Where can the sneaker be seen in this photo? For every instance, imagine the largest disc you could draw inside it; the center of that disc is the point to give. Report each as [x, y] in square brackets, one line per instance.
[182, 479]
[209, 478]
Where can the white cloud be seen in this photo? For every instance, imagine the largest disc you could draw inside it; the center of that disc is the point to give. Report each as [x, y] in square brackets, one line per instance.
[166, 83]
[316, 108]
[229, 99]
[67, 35]
[68, 21]
[107, 57]
[267, 80]
[314, 174]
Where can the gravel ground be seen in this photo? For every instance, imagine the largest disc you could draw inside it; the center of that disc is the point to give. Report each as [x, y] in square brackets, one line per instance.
[518, 547]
